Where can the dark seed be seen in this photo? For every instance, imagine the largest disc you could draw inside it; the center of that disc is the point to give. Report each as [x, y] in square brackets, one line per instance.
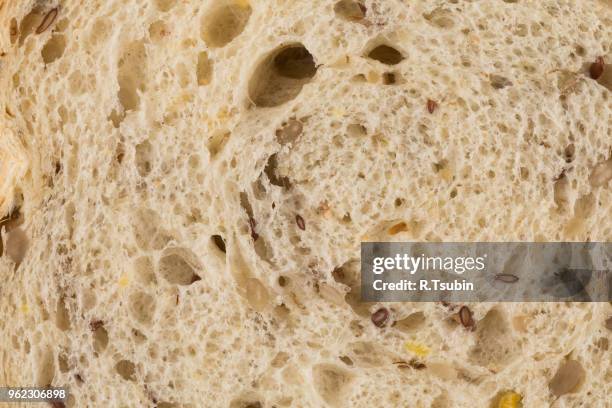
[47, 21]
[431, 105]
[506, 278]
[417, 365]
[380, 317]
[597, 68]
[465, 316]
[95, 324]
[253, 224]
[300, 222]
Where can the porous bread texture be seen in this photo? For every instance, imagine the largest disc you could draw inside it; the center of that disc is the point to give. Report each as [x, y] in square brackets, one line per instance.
[163, 136]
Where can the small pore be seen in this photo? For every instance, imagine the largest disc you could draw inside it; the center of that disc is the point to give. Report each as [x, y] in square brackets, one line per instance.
[126, 369]
[142, 307]
[224, 22]
[143, 158]
[289, 131]
[499, 82]
[100, 337]
[62, 317]
[568, 379]
[178, 267]
[54, 48]
[350, 10]
[204, 70]
[386, 54]
[601, 173]
[219, 242]
[332, 383]
[17, 244]
[281, 76]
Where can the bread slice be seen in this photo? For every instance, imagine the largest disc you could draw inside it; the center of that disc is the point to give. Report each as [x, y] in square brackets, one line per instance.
[195, 179]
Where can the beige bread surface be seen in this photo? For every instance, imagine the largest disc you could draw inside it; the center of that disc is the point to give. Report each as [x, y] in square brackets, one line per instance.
[194, 179]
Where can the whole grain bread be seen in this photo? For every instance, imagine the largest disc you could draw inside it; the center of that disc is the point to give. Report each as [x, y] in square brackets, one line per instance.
[193, 180]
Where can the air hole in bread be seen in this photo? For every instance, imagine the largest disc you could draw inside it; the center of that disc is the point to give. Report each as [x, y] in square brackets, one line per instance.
[224, 22]
[204, 69]
[348, 275]
[270, 171]
[410, 323]
[442, 401]
[601, 173]
[583, 209]
[257, 294]
[350, 10]
[9, 222]
[368, 354]
[289, 131]
[142, 307]
[100, 339]
[54, 48]
[126, 369]
[219, 242]
[332, 383]
[45, 367]
[495, 346]
[386, 54]
[217, 142]
[29, 24]
[132, 75]
[17, 243]
[13, 31]
[561, 192]
[164, 5]
[281, 75]
[389, 78]
[147, 230]
[143, 158]
[568, 379]
[158, 30]
[356, 130]
[247, 400]
[441, 18]
[62, 318]
[62, 362]
[499, 82]
[280, 359]
[144, 270]
[178, 266]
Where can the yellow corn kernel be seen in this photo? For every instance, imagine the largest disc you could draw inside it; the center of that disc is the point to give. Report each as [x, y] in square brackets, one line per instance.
[123, 282]
[418, 349]
[510, 399]
[25, 308]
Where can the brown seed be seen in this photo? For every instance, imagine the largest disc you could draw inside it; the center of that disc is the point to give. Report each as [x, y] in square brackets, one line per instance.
[506, 278]
[597, 68]
[431, 105]
[380, 317]
[300, 222]
[465, 317]
[47, 21]
[95, 324]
